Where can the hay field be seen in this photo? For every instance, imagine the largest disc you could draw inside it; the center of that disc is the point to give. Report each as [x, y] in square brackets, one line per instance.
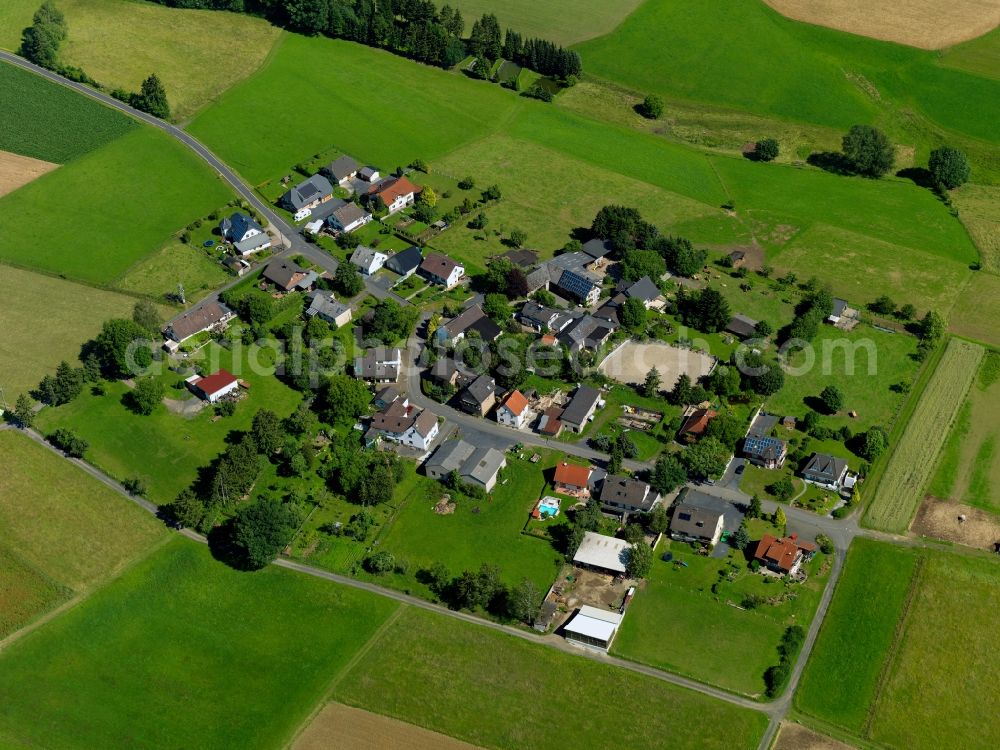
[928, 24]
[562, 21]
[797, 737]
[349, 728]
[16, 170]
[977, 309]
[632, 361]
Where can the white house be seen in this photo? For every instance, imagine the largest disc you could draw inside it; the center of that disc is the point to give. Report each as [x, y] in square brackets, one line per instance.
[514, 411]
[368, 260]
[406, 424]
[244, 233]
[213, 387]
[348, 217]
[442, 270]
[379, 365]
[397, 193]
[327, 308]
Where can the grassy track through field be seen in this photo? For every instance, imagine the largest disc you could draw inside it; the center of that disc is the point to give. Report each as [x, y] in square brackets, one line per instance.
[912, 462]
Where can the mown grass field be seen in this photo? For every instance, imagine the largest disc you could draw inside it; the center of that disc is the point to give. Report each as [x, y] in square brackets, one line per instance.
[912, 460]
[175, 263]
[976, 309]
[96, 217]
[561, 21]
[869, 601]
[979, 210]
[497, 691]
[166, 449]
[969, 467]
[44, 321]
[980, 56]
[184, 651]
[676, 623]
[67, 125]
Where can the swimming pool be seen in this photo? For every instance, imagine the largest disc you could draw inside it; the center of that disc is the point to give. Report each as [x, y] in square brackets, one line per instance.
[548, 507]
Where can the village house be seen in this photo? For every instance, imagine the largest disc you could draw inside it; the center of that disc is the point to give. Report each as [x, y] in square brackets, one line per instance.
[385, 396]
[210, 316]
[367, 260]
[696, 423]
[245, 234]
[341, 170]
[396, 193]
[446, 371]
[625, 495]
[581, 408]
[767, 452]
[742, 327]
[568, 274]
[400, 422]
[476, 466]
[379, 365]
[287, 276]
[325, 306]
[479, 396]
[543, 318]
[305, 196]
[405, 262]
[593, 628]
[442, 270]
[646, 291]
[213, 387]
[514, 411]
[826, 471]
[348, 217]
[550, 423]
[605, 554]
[471, 319]
[587, 332]
[692, 523]
[572, 480]
[598, 248]
[783, 556]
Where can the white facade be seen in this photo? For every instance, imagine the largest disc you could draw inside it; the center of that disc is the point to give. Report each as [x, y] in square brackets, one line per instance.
[413, 438]
[401, 202]
[368, 261]
[507, 417]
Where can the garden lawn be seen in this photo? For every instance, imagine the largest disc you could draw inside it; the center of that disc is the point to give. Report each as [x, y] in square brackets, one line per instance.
[464, 540]
[44, 320]
[47, 121]
[61, 523]
[862, 363]
[498, 691]
[184, 651]
[165, 449]
[846, 664]
[561, 21]
[676, 623]
[176, 263]
[94, 218]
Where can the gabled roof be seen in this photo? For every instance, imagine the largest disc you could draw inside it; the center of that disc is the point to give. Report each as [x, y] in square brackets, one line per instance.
[627, 492]
[405, 260]
[480, 389]
[341, 168]
[571, 474]
[450, 456]
[363, 257]
[283, 273]
[695, 521]
[782, 553]
[473, 319]
[764, 448]
[198, 319]
[580, 406]
[239, 224]
[601, 551]
[644, 289]
[378, 364]
[327, 305]
[597, 248]
[589, 331]
[254, 242]
[697, 423]
[348, 214]
[826, 467]
[742, 326]
[551, 421]
[313, 189]
[215, 382]
[394, 188]
[515, 403]
[438, 265]
[521, 257]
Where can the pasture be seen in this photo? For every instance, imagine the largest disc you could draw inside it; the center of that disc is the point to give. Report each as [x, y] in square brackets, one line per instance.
[494, 690]
[980, 56]
[561, 21]
[230, 659]
[912, 460]
[97, 216]
[45, 320]
[166, 449]
[918, 23]
[63, 530]
[67, 125]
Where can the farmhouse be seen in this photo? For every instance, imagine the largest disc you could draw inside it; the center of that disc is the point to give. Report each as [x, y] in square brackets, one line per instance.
[741, 326]
[379, 365]
[405, 262]
[308, 194]
[767, 452]
[341, 170]
[581, 408]
[367, 260]
[696, 423]
[407, 425]
[692, 523]
[213, 387]
[625, 495]
[593, 628]
[471, 319]
[396, 193]
[572, 480]
[597, 248]
[514, 411]
[783, 556]
[476, 466]
[826, 471]
[479, 396]
[543, 318]
[605, 554]
[211, 316]
[568, 274]
[348, 217]
[286, 275]
[440, 269]
[326, 307]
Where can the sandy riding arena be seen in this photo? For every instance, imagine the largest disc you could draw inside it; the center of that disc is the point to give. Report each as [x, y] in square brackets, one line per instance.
[929, 24]
[939, 519]
[631, 362]
[16, 170]
[345, 728]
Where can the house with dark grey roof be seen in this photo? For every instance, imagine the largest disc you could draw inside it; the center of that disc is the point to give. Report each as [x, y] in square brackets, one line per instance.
[568, 274]
[405, 262]
[326, 307]
[379, 365]
[308, 194]
[239, 227]
[210, 316]
[479, 396]
[285, 274]
[440, 269]
[341, 170]
[647, 292]
[406, 424]
[446, 370]
[543, 318]
[477, 466]
[626, 495]
[587, 332]
[741, 326]
[472, 319]
[767, 452]
[581, 408]
[348, 217]
[692, 523]
[597, 248]
[522, 258]
[841, 310]
[826, 471]
[367, 259]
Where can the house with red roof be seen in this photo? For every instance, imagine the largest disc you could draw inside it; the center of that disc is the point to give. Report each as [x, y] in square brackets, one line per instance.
[213, 387]
[696, 423]
[783, 556]
[513, 410]
[396, 193]
[573, 480]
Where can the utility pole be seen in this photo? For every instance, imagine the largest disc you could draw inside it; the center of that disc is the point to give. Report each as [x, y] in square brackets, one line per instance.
[180, 293]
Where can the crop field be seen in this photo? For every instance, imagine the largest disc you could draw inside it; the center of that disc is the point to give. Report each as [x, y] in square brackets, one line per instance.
[92, 219]
[44, 321]
[338, 725]
[912, 461]
[969, 468]
[870, 599]
[562, 21]
[928, 24]
[73, 124]
[863, 363]
[498, 691]
[230, 659]
[60, 522]
[175, 263]
[166, 449]
[711, 52]
[17, 171]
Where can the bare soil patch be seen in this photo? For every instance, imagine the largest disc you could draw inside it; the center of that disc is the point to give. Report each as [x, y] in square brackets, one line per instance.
[17, 171]
[939, 519]
[928, 24]
[630, 363]
[797, 737]
[345, 728]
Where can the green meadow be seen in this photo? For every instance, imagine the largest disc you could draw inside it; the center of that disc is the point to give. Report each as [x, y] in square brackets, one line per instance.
[183, 651]
[562, 21]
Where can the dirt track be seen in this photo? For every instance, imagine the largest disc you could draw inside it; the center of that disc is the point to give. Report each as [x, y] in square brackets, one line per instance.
[929, 24]
[345, 728]
[17, 170]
